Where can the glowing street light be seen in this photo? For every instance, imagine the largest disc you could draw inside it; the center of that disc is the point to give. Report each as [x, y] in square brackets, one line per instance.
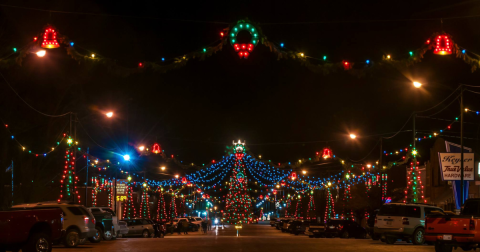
[304, 172]
[353, 136]
[141, 148]
[126, 157]
[163, 168]
[417, 84]
[176, 176]
[109, 114]
[41, 53]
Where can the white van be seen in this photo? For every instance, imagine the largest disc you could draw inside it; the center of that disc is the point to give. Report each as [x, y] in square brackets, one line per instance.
[402, 221]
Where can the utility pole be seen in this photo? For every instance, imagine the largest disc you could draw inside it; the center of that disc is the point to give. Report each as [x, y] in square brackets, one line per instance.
[86, 181]
[12, 182]
[461, 146]
[380, 164]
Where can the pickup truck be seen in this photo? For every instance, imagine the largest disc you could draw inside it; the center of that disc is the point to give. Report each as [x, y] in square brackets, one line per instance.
[448, 231]
[30, 230]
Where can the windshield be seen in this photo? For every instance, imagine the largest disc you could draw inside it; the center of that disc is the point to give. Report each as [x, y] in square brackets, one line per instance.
[392, 210]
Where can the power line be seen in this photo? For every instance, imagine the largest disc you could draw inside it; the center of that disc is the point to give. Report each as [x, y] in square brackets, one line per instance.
[112, 15]
[30, 106]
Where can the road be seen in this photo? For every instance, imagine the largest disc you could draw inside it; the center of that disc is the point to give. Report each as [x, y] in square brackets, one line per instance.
[252, 238]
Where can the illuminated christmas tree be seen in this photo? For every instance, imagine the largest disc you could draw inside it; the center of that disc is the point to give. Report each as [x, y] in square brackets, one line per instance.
[330, 208]
[161, 211]
[173, 207]
[129, 208]
[68, 182]
[299, 208]
[238, 202]
[144, 206]
[311, 213]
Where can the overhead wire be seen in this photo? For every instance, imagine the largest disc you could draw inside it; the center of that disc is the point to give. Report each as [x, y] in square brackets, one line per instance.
[30, 106]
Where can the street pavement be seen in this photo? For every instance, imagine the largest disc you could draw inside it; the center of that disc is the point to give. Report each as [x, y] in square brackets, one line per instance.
[252, 238]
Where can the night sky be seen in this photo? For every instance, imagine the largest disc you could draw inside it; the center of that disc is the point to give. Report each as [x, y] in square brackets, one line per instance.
[280, 108]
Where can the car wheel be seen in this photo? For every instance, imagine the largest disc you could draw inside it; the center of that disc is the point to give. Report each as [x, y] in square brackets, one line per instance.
[375, 237]
[40, 242]
[71, 239]
[345, 235]
[145, 234]
[107, 235]
[390, 240]
[418, 236]
[97, 237]
[443, 248]
[466, 248]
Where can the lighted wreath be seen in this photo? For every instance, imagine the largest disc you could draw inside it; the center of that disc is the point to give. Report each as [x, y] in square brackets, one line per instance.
[243, 49]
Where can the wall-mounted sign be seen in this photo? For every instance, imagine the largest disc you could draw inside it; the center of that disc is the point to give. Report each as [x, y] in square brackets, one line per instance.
[450, 166]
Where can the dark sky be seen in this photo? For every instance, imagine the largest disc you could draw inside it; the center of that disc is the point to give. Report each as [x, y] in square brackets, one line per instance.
[280, 108]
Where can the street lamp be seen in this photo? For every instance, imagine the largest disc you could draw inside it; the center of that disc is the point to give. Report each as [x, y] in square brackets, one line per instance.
[141, 148]
[126, 157]
[304, 172]
[163, 168]
[353, 136]
[109, 114]
[41, 53]
[417, 84]
[176, 175]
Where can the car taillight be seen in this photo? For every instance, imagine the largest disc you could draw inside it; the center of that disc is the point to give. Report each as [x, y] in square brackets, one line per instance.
[405, 221]
[472, 224]
[86, 219]
[93, 220]
[340, 226]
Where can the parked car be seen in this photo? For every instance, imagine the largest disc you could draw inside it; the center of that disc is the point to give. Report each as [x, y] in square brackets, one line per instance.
[281, 221]
[104, 225]
[344, 229]
[196, 220]
[272, 221]
[159, 227]
[177, 226]
[140, 227]
[297, 227]
[123, 229]
[402, 221]
[31, 229]
[77, 220]
[447, 230]
[118, 229]
[315, 229]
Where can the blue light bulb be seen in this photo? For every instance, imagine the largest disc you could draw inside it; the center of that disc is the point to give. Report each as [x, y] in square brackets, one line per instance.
[281, 44]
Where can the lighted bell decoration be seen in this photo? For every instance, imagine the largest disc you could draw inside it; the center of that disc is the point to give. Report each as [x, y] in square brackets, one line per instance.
[443, 45]
[294, 175]
[184, 180]
[50, 39]
[261, 197]
[156, 148]
[266, 196]
[327, 153]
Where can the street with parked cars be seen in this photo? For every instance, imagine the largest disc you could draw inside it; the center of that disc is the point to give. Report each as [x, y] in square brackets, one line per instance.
[42, 226]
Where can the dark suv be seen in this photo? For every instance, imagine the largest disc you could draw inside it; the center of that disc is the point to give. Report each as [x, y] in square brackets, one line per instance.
[298, 226]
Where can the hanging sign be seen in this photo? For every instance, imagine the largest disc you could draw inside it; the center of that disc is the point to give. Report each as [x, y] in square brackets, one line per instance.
[450, 166]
